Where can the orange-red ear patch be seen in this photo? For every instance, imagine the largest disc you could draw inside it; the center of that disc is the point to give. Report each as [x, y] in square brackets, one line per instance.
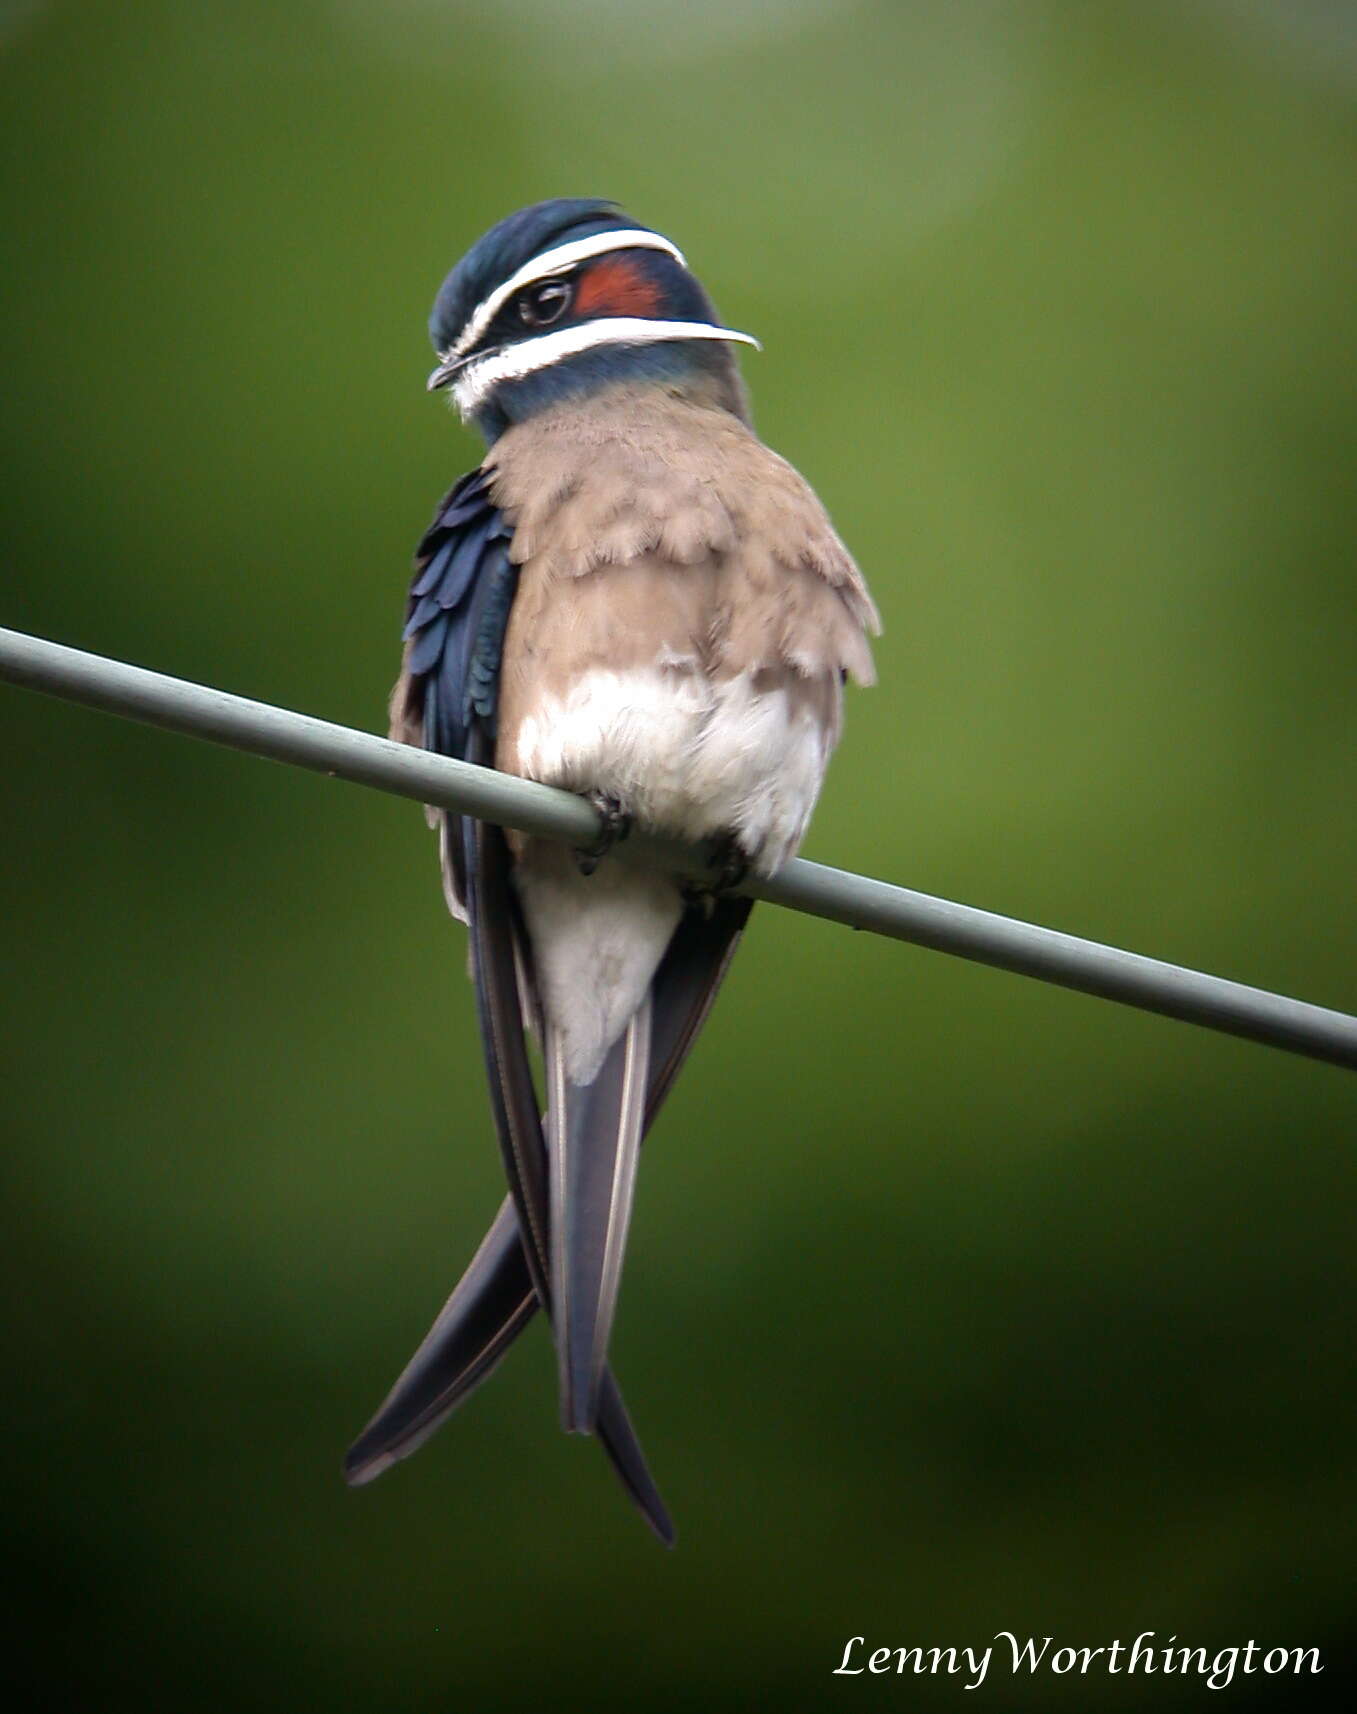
[615, 286]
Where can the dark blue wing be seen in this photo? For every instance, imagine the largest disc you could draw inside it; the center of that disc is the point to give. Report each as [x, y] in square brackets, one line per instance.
[459, 605]
[455, 620]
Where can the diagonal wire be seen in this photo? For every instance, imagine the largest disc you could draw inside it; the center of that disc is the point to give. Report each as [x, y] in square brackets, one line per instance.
[856, 900]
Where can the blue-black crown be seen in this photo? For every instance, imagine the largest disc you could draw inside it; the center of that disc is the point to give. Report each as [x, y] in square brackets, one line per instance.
[504, 249]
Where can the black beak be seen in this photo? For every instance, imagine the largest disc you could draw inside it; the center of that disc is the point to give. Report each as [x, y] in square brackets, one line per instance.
[446, 372]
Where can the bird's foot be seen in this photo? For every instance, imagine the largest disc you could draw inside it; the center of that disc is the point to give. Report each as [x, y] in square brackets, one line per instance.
[728, 864]
[616, 826]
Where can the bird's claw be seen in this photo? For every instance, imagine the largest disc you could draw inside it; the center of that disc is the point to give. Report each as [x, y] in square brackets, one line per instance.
[616, 825]
[729, 866]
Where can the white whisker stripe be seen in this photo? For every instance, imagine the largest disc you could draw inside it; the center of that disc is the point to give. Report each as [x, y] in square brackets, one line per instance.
[513, 362]
[557, 261]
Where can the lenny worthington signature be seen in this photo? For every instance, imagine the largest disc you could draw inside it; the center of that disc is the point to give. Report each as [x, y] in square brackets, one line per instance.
[1031, 1655]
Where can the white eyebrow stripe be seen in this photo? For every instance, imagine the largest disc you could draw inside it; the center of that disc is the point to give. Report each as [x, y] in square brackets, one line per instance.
[513, 362]
[551, 262]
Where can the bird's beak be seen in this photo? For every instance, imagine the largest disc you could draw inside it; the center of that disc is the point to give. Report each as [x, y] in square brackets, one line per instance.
[444, 373]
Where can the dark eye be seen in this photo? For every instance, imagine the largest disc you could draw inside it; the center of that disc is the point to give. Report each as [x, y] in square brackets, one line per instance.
[539, 306]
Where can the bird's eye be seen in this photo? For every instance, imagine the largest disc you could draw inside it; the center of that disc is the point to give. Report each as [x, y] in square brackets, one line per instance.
[539, 306]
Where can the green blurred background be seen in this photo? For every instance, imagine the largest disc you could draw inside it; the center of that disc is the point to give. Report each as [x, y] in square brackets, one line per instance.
[955, 1304]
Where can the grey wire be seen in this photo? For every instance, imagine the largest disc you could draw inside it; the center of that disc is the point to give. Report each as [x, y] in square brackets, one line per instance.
[835, 894]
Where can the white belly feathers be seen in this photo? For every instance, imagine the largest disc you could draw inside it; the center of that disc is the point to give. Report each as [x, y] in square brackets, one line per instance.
[685, 754]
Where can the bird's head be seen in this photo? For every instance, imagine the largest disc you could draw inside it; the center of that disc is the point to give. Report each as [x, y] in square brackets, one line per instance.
[565, 298]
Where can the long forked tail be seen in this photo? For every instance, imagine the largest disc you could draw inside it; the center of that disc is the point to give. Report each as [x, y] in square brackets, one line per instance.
[593, 1140]
[495, 1299]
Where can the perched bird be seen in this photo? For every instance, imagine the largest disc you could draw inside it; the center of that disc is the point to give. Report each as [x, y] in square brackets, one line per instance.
[634, 599]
